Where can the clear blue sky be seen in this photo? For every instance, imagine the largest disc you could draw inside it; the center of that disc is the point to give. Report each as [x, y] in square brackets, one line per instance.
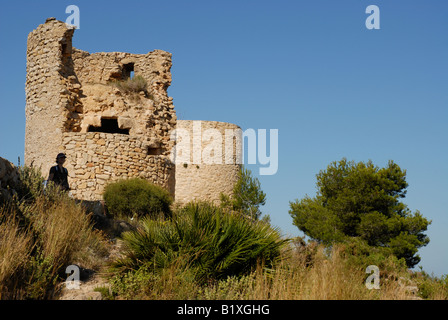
[309, 68]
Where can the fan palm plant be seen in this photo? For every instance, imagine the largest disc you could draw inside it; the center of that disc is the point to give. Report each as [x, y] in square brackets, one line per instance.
[208, 240]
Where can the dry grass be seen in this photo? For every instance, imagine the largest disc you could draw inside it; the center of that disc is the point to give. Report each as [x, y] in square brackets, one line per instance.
[133, 87]
[328, 277]
[39, 240]
[44, 233]
[65, 231]
[310, 273]
[15, 251]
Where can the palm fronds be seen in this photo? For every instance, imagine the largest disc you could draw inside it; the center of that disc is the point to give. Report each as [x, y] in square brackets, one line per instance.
[206, 239]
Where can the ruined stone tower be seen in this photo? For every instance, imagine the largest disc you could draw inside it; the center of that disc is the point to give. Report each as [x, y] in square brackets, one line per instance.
[107, 133]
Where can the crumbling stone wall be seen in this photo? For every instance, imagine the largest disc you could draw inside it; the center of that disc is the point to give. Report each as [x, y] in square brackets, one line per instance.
[70, 96]
[48, 108]
[70, 91]
[94, 159]
[151, 114]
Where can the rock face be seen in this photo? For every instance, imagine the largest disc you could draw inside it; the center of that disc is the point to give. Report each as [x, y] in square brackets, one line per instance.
[74, 105]
[9, 179]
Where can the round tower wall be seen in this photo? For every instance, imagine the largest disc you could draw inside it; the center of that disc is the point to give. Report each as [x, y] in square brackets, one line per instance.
[207, 159]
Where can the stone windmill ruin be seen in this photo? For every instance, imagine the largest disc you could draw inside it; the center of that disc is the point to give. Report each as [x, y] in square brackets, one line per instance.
[108, 133]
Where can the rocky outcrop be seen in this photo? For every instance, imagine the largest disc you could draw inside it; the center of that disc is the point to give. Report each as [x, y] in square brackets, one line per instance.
[9, 180]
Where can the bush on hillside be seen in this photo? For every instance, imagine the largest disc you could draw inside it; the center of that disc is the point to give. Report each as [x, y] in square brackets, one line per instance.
[360, 201]
[137, 198]
[247, 196]
[207, 240]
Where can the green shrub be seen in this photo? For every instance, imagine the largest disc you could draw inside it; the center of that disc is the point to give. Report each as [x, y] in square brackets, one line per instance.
[431, 287]
[247, 195]
[209, 241]
[31, 183]
[361, 200]
[359, 254]
[136, 197]
[231, 288]
[170, 283]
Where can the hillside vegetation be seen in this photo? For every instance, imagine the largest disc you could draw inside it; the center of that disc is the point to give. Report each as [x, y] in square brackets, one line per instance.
[41, 234]
[197, 251]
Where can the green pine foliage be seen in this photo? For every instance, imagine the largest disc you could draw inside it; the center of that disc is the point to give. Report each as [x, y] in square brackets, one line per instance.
[362, 201]
[247, 195]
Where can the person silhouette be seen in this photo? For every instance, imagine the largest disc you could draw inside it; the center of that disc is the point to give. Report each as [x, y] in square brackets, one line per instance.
[59, 174]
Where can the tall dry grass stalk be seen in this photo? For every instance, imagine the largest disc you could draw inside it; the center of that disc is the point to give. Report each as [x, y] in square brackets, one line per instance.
[133, 87]
[15, 250]
[328, 276]
[39, 240]
[64, 230]
[310, 274]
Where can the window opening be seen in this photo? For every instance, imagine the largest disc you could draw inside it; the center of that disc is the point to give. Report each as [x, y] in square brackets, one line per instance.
[128, 71]
[108, 126]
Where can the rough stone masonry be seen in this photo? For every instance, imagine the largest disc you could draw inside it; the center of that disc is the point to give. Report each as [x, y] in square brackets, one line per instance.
[107, 133]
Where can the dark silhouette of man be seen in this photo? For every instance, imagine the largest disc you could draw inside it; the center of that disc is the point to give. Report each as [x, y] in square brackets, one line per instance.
[59, 174]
